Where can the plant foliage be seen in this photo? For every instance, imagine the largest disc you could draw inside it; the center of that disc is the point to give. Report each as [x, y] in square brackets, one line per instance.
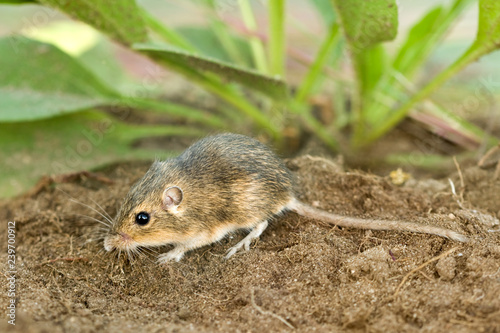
[46, 92]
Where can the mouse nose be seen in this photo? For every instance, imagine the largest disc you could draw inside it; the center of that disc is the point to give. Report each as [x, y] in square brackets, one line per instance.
[118, 240]
[124, 236]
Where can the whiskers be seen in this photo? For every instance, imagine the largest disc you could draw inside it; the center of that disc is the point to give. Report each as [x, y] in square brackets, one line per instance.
[133, 254]
[101, 229]
[103, 221]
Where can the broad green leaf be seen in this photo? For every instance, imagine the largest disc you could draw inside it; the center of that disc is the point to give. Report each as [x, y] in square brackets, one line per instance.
[101, 61]
[325, 9]
[208, 44]
[488, 33]
[272, 87]
[90, 48]
[367, 23]
[38, 81]
[120, 19]
[71, 143]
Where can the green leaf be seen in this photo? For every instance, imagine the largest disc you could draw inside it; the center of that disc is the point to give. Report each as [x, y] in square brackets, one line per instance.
[71, 143]
[367, 23]
[38, 81]
[91, 49]
[487, 40]
[256, 44]
[417, 37]
[272, 87]
[208, 43]
[230, 43]
[168, 34]
[488, 33]
[393, 86]
[425, 35]
[315, 69]
[101, 61]
[120, 19]
[20, 2]
[325, 9]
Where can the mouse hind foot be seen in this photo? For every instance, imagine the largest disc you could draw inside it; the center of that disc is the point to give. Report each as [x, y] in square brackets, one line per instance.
[245, 242]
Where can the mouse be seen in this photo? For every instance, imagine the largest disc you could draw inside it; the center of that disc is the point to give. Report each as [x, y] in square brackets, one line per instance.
[221, 184]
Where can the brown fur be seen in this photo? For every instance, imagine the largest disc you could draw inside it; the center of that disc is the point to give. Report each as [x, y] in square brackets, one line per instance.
[227, 179]
[228, 182]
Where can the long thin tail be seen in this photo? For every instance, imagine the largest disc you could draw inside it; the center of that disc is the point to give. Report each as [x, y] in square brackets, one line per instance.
[353, 222]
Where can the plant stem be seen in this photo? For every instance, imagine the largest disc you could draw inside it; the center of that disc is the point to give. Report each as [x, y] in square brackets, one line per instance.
[213, 84]
[166, 33]
[258, 53]
[317, 66]
[223, 35]
[356, 98]
[277, 37]
[176, 110]
[250, 110]
[227, 42]
[314, 125]
[130, 133]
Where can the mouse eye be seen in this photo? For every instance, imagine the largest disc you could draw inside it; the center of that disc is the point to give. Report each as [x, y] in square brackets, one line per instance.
[142, 218]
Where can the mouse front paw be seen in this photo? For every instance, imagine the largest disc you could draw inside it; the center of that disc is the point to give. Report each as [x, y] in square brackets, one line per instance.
[174, 255]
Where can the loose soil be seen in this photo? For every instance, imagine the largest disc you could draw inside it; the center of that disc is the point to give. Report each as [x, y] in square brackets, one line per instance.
[302, 275]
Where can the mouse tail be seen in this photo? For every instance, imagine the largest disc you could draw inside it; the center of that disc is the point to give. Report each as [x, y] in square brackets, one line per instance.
[372, 224]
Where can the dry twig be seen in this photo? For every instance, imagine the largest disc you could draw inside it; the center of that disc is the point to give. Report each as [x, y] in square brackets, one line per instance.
[442, 255]
[260, 310]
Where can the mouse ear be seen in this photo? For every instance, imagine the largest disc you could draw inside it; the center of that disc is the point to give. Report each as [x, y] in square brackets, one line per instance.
[172, 197]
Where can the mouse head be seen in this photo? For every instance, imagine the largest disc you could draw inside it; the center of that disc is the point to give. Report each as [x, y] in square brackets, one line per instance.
[151, 215]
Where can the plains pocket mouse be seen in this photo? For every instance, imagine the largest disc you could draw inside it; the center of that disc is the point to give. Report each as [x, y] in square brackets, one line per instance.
[218, 185]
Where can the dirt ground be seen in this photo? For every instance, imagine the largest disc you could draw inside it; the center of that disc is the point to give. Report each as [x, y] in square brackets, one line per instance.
[302, 275]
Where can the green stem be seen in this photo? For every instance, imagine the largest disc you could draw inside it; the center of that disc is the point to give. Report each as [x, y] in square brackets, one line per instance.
[166, 33]
[223, 35]
[317, 66]
[314, 125]
[472, 54]
[213, 84]
[233, 98]
[176, 110]
[258, 53]
[130, 133]
[227, 42]
[356, 97]
[277, 37]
